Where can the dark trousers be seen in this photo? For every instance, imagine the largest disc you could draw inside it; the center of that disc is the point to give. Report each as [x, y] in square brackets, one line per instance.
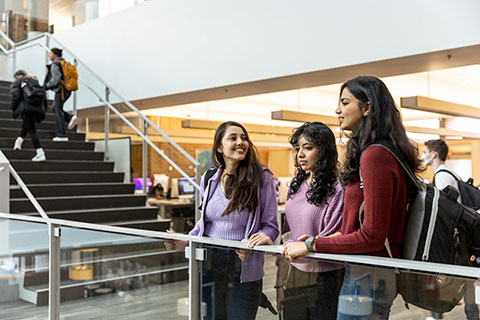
[312, 295]
[226, 297]
[28, 126]
[61, 117]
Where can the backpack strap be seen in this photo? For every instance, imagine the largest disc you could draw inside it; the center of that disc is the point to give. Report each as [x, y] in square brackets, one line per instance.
[208, 175]
[447, 171]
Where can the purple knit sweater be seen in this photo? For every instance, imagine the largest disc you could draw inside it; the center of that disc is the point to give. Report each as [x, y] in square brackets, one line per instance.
[302, 218]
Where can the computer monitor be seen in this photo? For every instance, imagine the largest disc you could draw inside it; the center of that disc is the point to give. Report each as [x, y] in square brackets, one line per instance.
[185, 187]
[139, 183]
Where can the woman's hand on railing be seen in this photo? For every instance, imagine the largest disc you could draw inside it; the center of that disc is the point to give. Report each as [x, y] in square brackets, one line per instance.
[258, 239]
[178, 245]
[244, 254]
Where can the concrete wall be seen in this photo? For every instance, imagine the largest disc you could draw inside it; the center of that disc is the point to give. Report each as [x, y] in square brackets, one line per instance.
[168, 47]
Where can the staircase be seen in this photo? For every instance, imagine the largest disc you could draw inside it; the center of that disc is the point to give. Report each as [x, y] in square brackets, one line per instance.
[74, 183]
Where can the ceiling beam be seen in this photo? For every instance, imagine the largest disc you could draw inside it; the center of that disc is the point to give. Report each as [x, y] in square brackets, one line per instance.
[439, 106]
[251, 128]
[287, 115]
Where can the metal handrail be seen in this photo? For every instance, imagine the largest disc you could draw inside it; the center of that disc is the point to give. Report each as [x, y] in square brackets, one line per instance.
[429, 267]
[110, 106]
[24, 187]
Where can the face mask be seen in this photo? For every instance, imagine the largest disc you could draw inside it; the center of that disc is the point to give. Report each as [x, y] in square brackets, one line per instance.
[425, 159]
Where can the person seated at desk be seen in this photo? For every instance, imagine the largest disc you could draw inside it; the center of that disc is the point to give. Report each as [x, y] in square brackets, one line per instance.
[155, 193]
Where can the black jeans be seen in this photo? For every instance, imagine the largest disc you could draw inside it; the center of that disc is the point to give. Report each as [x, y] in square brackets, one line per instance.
[61, 117]
[226, 297]
[28, 126]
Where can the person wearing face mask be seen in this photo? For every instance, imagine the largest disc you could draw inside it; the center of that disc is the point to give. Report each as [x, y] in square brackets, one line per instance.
[238, 203]
[435, 154]
[367, 110]
[314, 207]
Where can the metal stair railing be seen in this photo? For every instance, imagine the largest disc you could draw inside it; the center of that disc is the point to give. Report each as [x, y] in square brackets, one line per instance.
[109, 106]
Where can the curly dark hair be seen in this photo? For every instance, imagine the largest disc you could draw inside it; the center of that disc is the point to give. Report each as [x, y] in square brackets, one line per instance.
[241, 187]
[325, 173]
[383, 123]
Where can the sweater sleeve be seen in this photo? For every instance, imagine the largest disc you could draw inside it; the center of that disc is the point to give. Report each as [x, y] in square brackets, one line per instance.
[268, 207]
[378, 170]
[334, 213]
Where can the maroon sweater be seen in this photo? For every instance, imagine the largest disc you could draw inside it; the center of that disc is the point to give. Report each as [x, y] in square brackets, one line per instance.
[385, 196]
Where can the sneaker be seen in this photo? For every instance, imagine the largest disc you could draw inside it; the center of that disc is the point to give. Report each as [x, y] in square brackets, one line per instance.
[40, 156]
[60, 139]
[18, 144]
[72, 122]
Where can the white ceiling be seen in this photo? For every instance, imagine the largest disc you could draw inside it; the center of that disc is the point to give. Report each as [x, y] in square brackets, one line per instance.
[460, 85]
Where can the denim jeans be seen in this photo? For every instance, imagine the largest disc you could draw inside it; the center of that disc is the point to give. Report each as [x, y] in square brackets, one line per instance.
[226, 297]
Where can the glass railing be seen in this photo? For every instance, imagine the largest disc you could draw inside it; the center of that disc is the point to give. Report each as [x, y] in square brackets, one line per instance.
[118, 273]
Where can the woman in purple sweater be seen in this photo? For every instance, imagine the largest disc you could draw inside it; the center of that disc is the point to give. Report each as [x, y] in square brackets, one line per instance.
[238, 203]
[314, 208]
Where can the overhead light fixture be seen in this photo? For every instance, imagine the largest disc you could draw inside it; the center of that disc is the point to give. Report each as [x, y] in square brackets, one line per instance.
[287, 115]
[439, 106]
[251, 128]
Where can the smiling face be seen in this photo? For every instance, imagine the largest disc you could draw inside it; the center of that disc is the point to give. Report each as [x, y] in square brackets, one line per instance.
[349, 111]
[234, 146]
[307, 153]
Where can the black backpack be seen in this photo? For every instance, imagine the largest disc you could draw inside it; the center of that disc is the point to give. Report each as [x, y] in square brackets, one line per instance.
[470, 194]
[438, 229]
[33, 92]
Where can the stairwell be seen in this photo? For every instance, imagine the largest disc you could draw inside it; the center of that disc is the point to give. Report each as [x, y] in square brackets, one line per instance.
[75, 183]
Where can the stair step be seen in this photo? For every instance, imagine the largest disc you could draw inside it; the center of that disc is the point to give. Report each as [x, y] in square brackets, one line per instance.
[103, 215]
[7, 114]
[153, 224]
[7, 143]
[53, 154]
[42, 134]
[17, 123]
[23, 205]
[73, 189]
[4, 90]
[61, 165]
[4, 83]
[46, 177]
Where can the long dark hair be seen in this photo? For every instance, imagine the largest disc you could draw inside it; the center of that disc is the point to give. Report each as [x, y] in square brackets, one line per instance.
[383, 123]
[241, 186]
[326, 169]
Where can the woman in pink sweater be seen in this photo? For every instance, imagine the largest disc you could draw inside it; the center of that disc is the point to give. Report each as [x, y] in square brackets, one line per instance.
[367, 110]
[314, 206]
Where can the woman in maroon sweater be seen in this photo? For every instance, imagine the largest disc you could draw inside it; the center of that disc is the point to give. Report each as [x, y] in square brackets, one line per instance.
[367, 109]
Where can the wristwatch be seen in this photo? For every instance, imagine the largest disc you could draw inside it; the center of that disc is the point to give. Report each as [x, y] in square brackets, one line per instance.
[308, 242]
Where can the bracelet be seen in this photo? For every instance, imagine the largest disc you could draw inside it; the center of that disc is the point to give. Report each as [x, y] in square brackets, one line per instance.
[279, 286]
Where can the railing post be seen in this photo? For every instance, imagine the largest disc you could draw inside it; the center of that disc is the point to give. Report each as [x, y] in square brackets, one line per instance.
[198, 176]
[54, 274]
[144, 157]
[107, 123]
[4, 184]
[14, 59]
[75, 63]
[194, 282]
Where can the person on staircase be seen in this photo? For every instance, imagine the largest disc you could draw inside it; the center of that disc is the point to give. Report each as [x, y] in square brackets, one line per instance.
[31, 111]
[53, 81]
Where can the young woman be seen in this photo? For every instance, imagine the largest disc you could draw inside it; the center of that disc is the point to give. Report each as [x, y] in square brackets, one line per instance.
[31, 111]
[314, 206]
[238, 203]
[367, 109]
[53, 81]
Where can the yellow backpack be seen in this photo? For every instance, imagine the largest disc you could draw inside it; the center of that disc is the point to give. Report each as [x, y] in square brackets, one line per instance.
[70, 76]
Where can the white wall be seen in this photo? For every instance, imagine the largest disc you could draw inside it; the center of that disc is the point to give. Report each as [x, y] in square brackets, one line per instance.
[166, 47]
